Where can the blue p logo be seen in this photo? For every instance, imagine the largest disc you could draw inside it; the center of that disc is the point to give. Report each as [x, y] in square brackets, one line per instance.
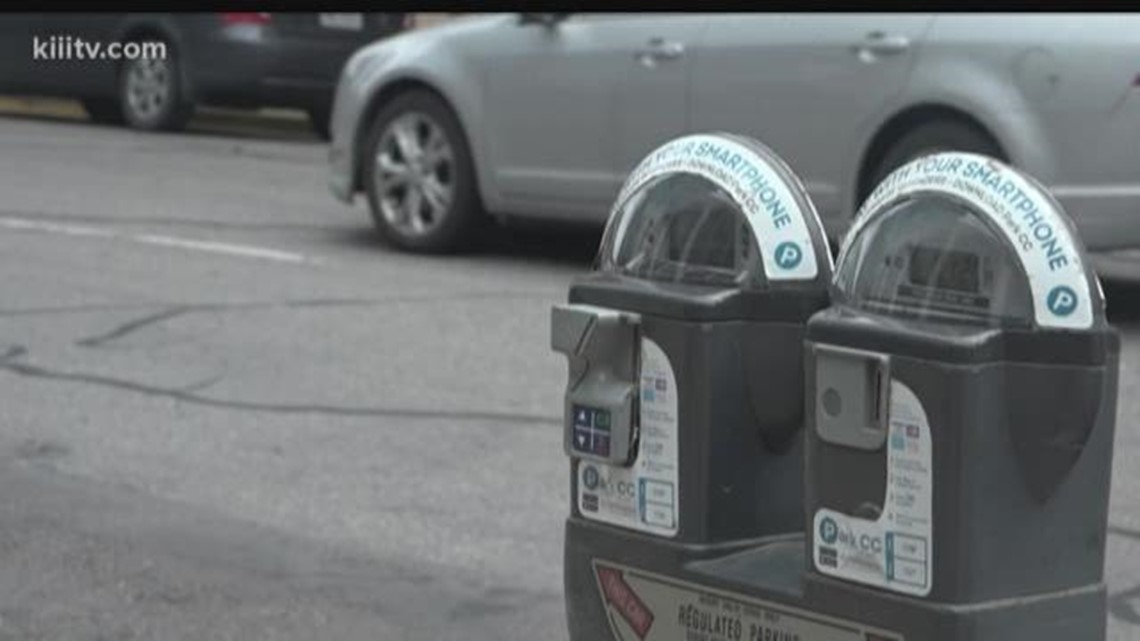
[590, 477]
[1061, 300]
[788, 255]
[828, 530]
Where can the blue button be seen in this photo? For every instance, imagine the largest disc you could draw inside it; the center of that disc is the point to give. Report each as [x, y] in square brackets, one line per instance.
[583, 441]
[583, 416]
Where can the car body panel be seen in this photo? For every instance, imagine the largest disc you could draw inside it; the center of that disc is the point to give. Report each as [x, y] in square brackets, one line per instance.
[552, 137]
[549, 96]
[1057, 91]
[432, 58]
[573, 113]
[760, 73]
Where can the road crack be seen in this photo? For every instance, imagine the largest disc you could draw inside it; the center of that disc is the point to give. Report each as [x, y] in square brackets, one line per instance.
[132, 326]
[156, 318]
[10, 362]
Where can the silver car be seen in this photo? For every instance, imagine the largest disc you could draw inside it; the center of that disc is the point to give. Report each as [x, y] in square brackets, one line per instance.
[543, 115]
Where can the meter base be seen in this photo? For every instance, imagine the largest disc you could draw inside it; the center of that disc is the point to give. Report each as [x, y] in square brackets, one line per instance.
[1077, 613]
[770, 572]
[779, 560]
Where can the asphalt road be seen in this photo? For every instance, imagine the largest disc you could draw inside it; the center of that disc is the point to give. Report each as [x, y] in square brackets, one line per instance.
[229, 413]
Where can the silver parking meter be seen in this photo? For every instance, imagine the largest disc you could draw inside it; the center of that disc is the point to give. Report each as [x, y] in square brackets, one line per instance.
[683, 409]
[961, 402]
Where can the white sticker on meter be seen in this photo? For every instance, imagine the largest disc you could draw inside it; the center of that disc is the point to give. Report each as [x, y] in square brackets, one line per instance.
[643, 496]
[776, 218]
[894, 552]
[1020, 208]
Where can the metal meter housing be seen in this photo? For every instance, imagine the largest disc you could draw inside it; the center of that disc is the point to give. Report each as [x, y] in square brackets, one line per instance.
[711, 263]
[961, 401]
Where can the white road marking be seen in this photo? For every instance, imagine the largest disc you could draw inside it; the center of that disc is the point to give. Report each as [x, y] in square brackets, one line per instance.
[246, 251]
[70, 230]
[222, 248]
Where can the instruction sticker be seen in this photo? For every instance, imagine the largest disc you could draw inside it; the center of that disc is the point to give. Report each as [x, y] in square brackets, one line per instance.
[1017, 205]
[778, 221]
[894, 552]
[643, 496]
[643, 606]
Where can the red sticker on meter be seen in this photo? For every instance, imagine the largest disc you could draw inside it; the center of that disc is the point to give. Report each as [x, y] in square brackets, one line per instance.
[622, 598]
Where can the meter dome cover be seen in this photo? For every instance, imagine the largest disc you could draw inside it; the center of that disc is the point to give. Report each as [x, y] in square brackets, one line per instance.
[683, 228]
[958, 236]
[715, 209]
[932, 256]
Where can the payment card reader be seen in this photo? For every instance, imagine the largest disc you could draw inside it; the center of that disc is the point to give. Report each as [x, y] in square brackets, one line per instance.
[684, 407]
[961, 402]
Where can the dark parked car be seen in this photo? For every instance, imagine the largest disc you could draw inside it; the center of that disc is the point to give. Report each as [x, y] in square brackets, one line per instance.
[251, 59]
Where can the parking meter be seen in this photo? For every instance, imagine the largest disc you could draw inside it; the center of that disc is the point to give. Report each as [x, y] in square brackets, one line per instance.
[683, 410]
[961, 401]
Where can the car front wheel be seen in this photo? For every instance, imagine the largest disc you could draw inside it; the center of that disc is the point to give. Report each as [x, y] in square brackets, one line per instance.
[151, 93]
[419, 177]
[931, 137]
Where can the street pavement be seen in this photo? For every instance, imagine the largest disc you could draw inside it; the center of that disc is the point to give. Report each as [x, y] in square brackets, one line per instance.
[228, 412]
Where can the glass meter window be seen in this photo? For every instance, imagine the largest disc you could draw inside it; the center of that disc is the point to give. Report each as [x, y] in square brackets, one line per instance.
[683, 228]
[935, 257]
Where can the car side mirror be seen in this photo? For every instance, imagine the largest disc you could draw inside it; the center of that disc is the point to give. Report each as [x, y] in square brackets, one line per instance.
[548, 20]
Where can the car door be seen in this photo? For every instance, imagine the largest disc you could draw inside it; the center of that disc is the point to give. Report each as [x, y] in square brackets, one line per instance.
[808, 86]
[80, 74]
[551, 95]
[17, 51]
[49, 53]
[653, 97]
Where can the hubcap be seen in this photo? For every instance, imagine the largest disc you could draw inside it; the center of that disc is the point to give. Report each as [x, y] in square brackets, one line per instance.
[149, 83]
[414, 174]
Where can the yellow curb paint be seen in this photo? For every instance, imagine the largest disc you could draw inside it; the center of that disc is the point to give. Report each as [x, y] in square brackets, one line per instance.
[41, 107]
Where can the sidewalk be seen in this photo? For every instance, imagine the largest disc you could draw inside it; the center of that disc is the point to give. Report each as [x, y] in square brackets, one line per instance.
[281, 124]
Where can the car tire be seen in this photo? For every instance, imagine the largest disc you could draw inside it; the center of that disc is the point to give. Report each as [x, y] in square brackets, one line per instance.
[151, 93]
[319, 122]
[930, 137]
[106, 111]
[424, 198]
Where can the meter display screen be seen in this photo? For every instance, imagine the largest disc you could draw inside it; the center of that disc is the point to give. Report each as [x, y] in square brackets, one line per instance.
[935, 257]
[945, 269]
[685, 228]
[701, 240]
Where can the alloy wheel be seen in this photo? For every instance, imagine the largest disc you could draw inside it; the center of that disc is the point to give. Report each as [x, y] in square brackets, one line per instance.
[414, 173]
[149, 85]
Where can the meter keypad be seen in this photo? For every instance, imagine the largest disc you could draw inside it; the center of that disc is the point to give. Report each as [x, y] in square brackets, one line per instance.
[592, 430]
